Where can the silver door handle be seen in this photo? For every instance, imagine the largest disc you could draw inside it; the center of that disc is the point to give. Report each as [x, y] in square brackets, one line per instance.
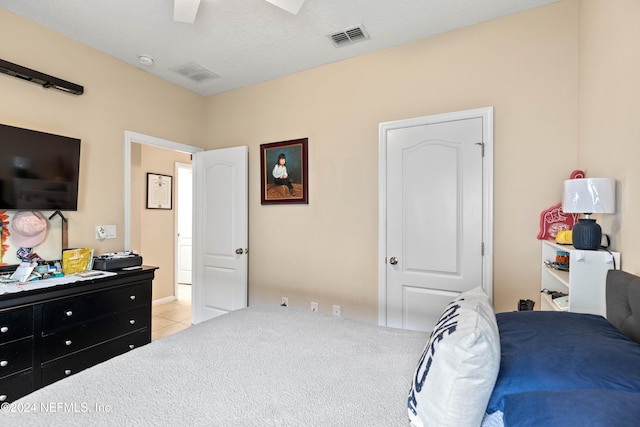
[393, 260]
[239, 251]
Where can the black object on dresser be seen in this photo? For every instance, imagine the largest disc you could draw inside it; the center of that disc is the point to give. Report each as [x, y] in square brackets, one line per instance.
[48, 334]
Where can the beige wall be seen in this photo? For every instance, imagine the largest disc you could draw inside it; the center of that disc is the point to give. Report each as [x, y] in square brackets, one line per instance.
[157, 236]
[117, 97]
[609, 119]
[524, 65]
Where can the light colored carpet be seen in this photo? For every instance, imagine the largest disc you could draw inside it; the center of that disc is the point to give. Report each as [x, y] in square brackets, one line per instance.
[263, 366]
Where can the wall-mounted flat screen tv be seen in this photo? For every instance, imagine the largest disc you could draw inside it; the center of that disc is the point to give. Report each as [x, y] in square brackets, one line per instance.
[38, 171]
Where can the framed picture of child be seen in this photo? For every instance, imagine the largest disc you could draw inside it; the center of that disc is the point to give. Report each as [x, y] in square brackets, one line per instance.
[284, 172]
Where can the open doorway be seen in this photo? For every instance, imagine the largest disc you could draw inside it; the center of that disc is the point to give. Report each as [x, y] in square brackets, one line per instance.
[142, 227]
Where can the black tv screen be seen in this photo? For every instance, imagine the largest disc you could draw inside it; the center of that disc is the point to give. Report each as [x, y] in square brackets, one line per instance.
[38, 171]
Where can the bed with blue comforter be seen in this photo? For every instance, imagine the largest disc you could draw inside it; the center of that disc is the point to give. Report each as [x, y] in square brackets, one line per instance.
[571, 369]
[565, 369]
[532, 368]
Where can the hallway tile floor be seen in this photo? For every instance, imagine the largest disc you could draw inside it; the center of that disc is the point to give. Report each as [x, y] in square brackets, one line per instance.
[172, 317]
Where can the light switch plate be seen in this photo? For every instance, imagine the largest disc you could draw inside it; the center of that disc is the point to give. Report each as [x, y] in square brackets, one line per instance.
[105, 232]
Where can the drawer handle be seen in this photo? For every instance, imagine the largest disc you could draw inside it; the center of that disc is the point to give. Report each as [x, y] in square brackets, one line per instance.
[132, 297]
[4, 329]
[132, 321]
[69, 313]
[131, 346]
[3, 397]
[67, 371]
[67, 342]
[3, 363]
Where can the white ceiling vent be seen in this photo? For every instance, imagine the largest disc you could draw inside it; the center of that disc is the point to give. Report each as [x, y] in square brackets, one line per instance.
[349, 36]
[195, 72]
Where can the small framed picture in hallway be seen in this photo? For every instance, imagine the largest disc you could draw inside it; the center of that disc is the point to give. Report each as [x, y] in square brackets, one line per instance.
[284, 172]
[159, 191]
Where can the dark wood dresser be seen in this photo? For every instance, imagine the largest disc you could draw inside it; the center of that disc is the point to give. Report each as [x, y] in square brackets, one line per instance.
[49, 334]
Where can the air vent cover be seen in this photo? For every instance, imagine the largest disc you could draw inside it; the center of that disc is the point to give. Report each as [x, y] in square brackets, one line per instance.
[349, 36]
[195, 72]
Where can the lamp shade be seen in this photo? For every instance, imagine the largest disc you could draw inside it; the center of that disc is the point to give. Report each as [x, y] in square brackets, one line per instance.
[589, 195]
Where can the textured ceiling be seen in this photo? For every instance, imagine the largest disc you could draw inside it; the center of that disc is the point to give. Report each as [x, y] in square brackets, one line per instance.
[249, 41]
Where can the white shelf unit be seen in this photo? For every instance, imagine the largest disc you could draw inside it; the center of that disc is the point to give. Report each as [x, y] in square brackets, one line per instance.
[584, 282]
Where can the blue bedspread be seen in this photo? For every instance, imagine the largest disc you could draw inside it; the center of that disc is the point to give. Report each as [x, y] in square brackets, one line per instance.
[563, 369]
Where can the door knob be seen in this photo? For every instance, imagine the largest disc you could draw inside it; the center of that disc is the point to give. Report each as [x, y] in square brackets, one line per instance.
[393, 260]
[239, 251]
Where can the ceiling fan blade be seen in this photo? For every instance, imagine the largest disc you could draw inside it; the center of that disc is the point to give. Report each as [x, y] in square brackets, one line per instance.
[291, 6]
[185, 10]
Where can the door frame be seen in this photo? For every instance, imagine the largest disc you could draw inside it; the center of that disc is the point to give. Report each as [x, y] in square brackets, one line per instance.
[134, 137]
[486, 114]
[177, 167]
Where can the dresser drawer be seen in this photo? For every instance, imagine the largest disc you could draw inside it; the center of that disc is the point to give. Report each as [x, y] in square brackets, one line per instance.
[72, 311]
[16, 356]
[88, 334]
[74, 363]
[16, 324]
[16, 386]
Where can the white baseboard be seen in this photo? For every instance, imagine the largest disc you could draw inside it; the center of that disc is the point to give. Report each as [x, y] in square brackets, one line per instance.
[164, 300]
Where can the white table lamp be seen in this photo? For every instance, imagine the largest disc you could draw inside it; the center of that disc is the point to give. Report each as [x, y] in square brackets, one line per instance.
[588, 196]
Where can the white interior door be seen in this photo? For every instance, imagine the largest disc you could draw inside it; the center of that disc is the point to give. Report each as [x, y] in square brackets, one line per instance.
[220, 244]
[434, 210]
[184, 210]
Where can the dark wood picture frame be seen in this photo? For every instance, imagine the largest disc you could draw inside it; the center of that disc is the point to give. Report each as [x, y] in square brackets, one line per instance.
[159, 191]
[294, 188]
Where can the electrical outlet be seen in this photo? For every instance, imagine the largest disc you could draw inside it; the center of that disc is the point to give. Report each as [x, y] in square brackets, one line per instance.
[105, 232]
[336, 310]
[285, 302]
[314, 306]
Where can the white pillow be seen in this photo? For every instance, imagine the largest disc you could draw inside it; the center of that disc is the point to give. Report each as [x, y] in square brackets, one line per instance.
[459, 366]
